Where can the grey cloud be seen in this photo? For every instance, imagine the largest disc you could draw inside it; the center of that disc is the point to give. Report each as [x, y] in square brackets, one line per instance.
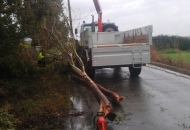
[167, 17]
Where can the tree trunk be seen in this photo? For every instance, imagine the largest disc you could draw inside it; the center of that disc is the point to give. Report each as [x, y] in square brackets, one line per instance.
[105, 106]
[116, 98]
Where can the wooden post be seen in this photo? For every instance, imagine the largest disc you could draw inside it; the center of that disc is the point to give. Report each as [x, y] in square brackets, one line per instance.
[70, 19]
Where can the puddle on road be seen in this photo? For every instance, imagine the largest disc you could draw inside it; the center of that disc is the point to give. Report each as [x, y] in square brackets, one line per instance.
[77, 103]
[79, 114]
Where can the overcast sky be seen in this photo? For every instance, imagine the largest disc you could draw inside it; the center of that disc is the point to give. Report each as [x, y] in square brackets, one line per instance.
[171, 17]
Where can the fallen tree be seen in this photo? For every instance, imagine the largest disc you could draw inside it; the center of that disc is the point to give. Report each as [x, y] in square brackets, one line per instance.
[65, 51]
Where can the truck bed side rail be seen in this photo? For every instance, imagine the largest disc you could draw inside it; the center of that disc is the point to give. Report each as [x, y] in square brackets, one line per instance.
[139, 35]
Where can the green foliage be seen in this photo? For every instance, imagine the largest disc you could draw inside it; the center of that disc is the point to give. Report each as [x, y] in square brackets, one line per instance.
[10, 32]
[37, 92]
[46, 101]
[10, 37]
[35, 14]
[20, 19]
[39, 102]
[175, 42]
[7, 120]
[18, 63]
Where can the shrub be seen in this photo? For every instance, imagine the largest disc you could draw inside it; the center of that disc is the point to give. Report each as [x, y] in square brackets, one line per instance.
[18, 64]
[7, 120]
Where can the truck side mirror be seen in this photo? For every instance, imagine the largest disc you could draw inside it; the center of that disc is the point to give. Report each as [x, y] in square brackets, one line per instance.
[76, 31]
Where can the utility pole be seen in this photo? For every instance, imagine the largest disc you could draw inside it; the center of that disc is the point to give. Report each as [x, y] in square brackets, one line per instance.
[70, 19]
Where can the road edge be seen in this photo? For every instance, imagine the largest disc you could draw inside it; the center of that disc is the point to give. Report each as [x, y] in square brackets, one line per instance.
[173, 68]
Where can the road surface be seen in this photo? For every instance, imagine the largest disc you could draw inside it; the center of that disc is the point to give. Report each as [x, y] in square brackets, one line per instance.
[159, 99]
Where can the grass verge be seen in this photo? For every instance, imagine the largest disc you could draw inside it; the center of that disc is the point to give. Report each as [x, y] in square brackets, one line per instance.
[172, 58]
[39, 102]
[177, 56]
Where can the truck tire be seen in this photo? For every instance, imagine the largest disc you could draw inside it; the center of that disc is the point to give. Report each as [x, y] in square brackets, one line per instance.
[109, 28]
[134, 71]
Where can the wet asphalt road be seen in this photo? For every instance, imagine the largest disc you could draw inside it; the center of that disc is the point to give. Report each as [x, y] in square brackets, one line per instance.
[158, 99]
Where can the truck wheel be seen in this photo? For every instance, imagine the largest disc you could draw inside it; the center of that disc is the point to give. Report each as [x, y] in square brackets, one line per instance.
[109, 28]
[134, 71]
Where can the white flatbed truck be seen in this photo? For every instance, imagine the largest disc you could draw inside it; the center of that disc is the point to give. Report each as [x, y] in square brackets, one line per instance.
[103, 46]
[116, 49]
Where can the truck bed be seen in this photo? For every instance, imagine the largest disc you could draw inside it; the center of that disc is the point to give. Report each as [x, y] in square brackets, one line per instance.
[120, 55]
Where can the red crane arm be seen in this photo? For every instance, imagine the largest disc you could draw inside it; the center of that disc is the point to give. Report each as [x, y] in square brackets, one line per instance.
[99, 11]
[97, 5]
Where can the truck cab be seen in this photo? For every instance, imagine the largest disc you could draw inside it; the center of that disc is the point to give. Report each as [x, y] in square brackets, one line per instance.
[107, 27]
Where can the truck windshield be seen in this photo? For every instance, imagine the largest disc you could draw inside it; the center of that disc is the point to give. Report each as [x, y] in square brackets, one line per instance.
[89, 26]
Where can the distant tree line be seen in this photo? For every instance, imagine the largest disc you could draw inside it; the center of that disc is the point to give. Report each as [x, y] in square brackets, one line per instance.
[175, 42]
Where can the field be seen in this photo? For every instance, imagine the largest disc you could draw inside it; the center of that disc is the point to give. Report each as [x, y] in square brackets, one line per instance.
[175, 56]
[172, 58]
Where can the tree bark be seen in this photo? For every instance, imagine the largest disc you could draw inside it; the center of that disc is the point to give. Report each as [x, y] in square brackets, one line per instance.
[116, 98]
[105, 105]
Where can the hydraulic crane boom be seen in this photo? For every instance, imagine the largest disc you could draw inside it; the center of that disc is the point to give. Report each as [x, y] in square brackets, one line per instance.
[99, 11]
